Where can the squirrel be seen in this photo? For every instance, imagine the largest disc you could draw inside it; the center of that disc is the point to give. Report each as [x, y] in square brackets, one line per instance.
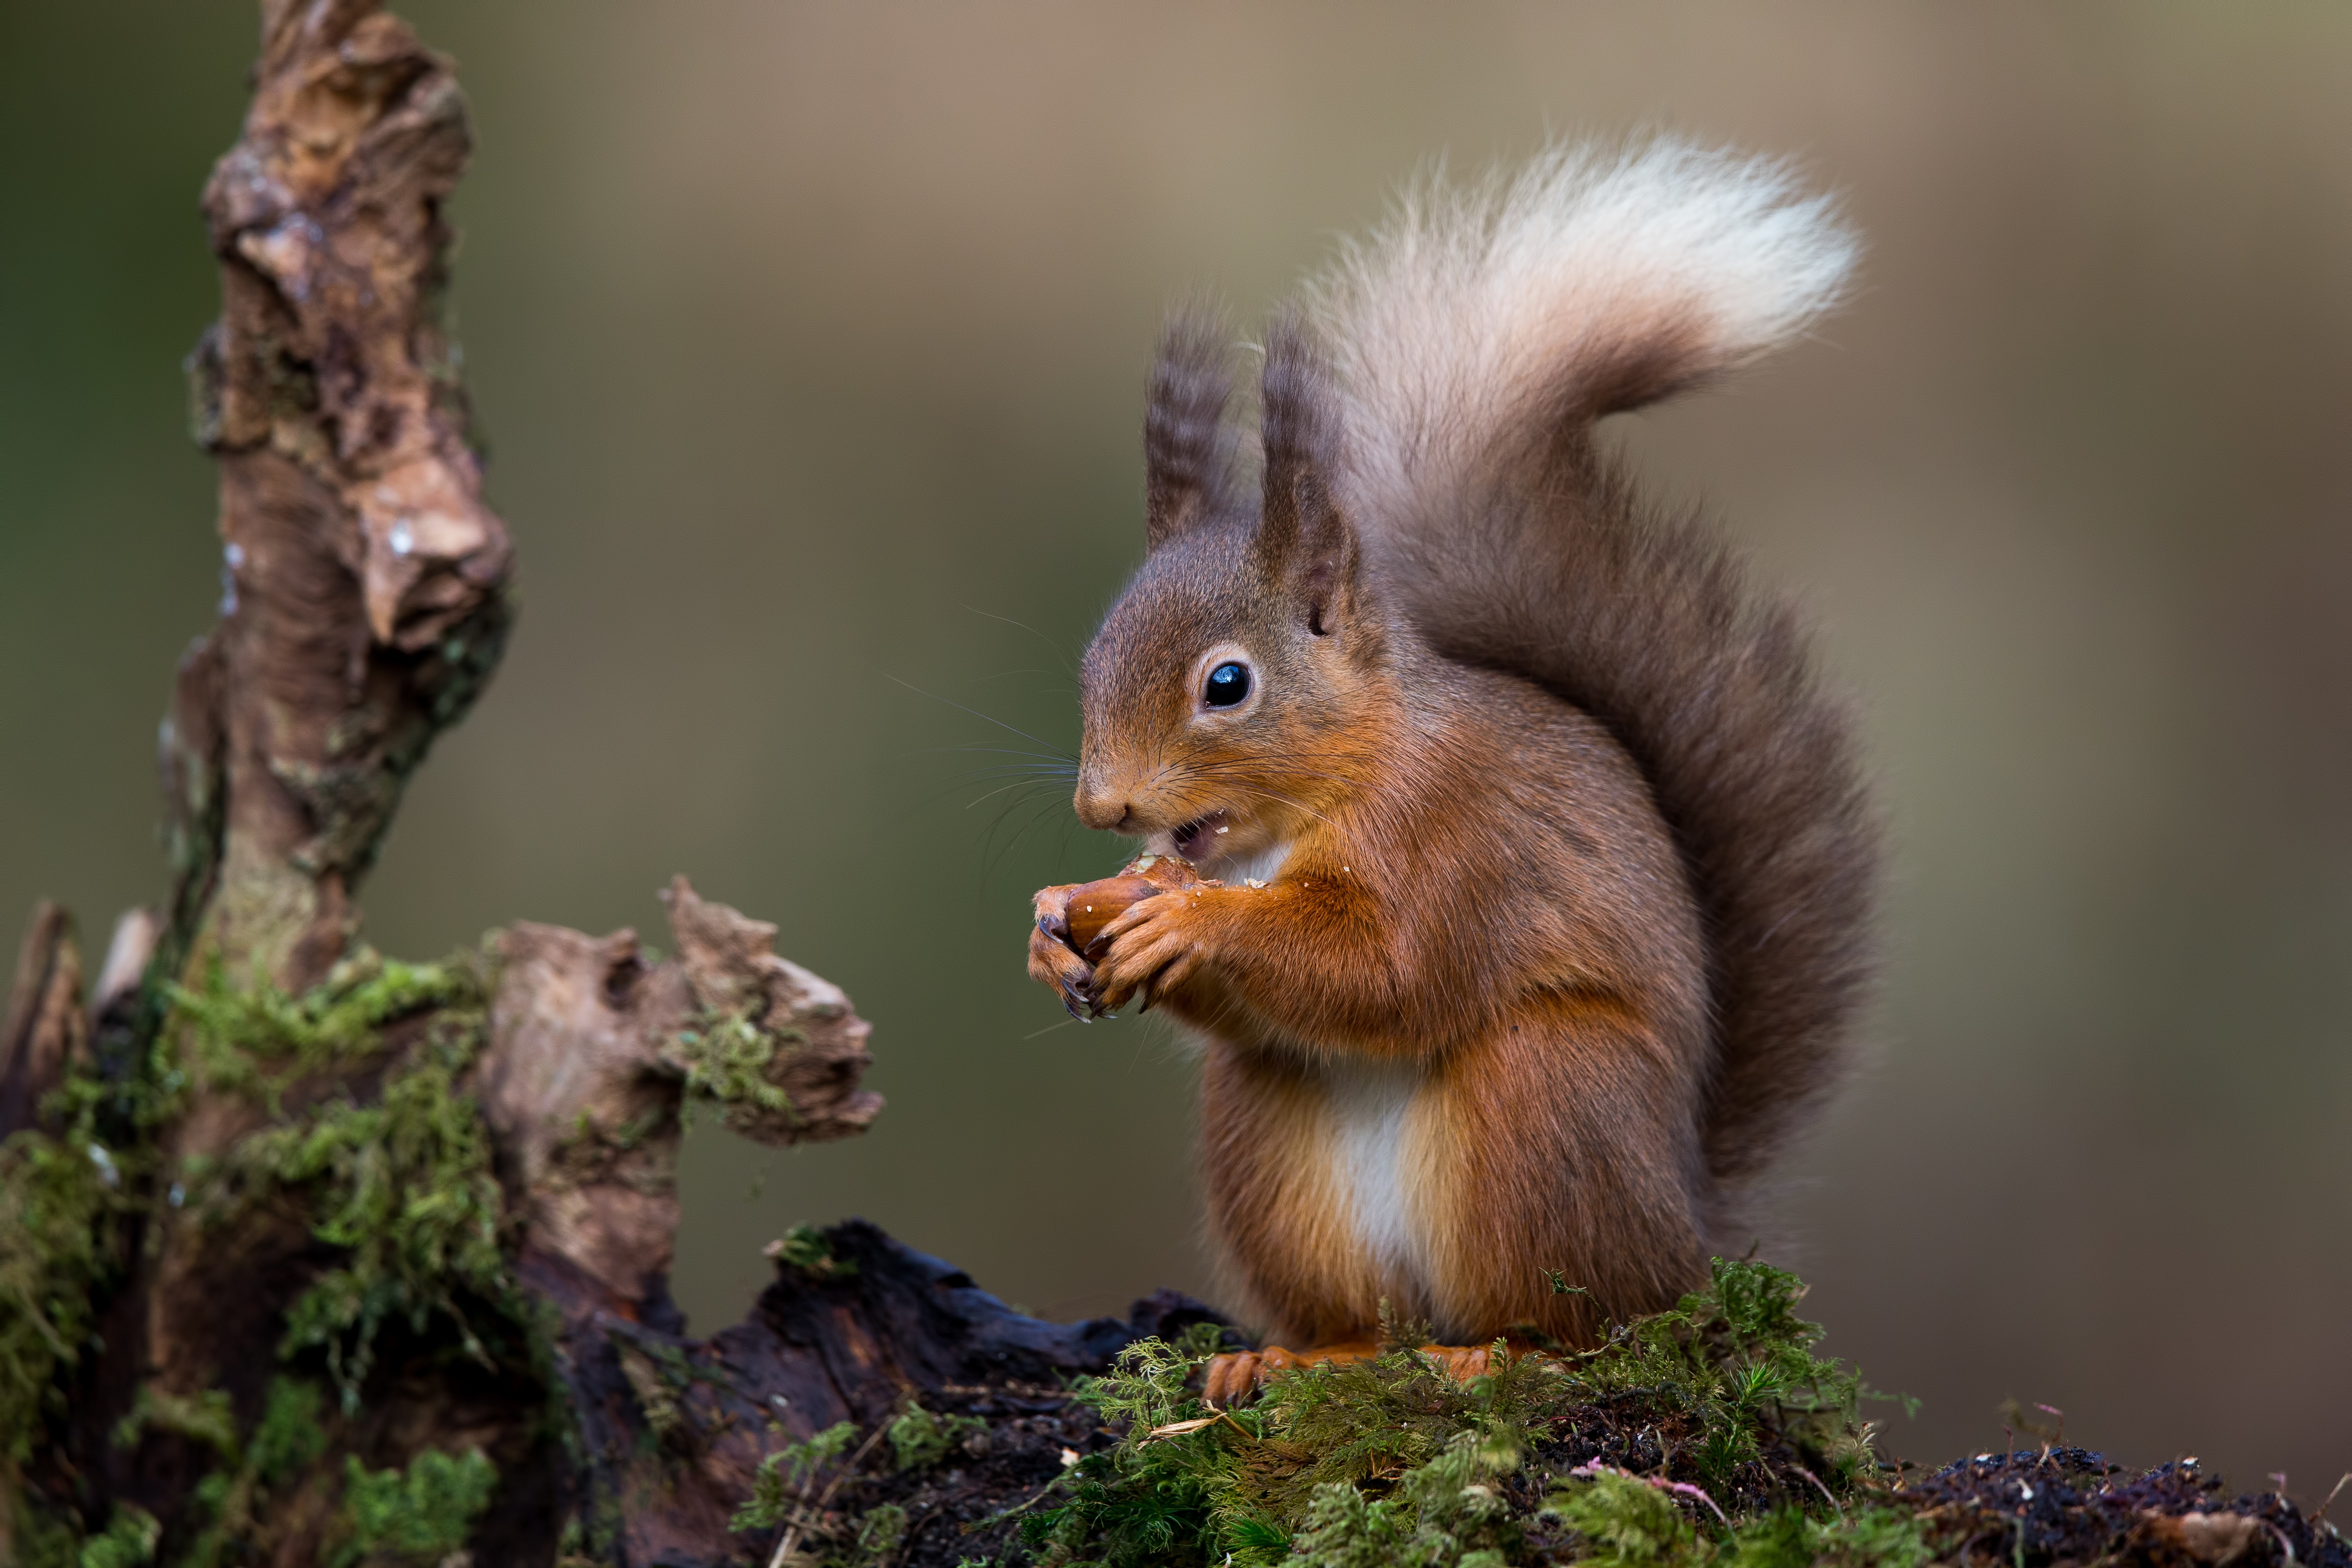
[1543, 861]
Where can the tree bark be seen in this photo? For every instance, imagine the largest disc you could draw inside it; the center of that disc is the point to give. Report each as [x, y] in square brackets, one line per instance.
[366, 600]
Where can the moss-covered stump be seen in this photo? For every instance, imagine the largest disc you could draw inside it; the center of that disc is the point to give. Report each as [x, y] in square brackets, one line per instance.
[409, 1211]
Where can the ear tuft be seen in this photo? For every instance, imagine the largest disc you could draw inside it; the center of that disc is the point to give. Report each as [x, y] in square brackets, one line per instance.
[1305, 541]
[1187, 448]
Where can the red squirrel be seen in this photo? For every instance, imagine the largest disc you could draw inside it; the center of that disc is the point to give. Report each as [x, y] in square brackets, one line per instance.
[1540, 863]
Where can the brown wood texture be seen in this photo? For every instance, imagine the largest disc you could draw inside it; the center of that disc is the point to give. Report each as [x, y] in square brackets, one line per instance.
[367, 599]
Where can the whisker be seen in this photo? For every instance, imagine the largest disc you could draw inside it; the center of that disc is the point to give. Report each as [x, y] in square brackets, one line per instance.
[1012, 770]
[989, 867]
[931, 800]
[992, 795]
[1056, 648]
[978, 714]
[992, 775]
[1000, 751]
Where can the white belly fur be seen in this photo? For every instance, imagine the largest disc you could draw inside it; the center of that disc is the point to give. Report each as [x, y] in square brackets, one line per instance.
[1371, 1105]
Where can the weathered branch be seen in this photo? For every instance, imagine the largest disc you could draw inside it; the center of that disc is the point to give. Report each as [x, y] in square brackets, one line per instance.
[594, 1059]
[365, 582]
[364, 600]
[44, 1027]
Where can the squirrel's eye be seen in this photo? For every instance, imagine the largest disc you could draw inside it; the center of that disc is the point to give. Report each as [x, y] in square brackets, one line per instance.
[1227, 684]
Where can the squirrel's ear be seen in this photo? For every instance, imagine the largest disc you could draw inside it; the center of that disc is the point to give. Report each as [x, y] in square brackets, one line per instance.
[1304, 540]
[1187, 448]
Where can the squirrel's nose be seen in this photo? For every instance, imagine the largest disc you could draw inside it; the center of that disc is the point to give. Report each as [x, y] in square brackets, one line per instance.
[1099, 808]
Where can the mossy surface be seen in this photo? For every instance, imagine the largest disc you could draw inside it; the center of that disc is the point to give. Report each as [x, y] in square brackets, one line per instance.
[366, 1134]
[56, 1250]
[1390, 1460]
[230, 1501]
[403, 1184]
[258, 1040]
[63, 1187]
[1712, 1436]
[420, 1514]
[728, 1058]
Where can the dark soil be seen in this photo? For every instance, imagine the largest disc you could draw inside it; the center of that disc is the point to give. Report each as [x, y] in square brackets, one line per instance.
[970, 1505]
[2071, 1505]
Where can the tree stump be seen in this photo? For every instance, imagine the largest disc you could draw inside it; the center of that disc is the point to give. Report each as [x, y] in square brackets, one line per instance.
[309, 1255]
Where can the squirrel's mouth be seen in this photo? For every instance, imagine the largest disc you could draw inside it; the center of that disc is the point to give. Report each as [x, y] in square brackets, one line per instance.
[1197, 840]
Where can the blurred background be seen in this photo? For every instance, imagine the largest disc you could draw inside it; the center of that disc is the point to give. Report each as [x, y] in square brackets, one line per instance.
[809, 343]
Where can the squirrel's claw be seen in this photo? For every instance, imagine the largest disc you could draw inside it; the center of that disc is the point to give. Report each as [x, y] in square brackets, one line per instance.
[1051, 961]
[1146, 952]
[1231, 1377]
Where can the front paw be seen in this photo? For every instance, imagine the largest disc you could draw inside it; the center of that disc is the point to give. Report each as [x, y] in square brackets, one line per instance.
[1149, 951]
[1053, 963]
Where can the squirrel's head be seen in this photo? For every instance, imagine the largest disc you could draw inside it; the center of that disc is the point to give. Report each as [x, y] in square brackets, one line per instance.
[1236, 688]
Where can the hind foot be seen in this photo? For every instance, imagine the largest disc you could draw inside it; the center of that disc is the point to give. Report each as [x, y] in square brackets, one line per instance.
[1236, 1374]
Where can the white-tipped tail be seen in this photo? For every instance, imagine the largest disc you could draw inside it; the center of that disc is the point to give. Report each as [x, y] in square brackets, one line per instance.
[1596, 279]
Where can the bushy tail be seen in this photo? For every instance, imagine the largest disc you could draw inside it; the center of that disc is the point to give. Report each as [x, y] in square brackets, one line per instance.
[1476, 339]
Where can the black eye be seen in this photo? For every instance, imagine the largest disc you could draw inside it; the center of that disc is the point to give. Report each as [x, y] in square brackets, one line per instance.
[1227, 684]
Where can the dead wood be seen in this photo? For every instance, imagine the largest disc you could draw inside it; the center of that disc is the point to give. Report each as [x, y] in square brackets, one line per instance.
[43, 1023]
[365, 582]
[366, 600]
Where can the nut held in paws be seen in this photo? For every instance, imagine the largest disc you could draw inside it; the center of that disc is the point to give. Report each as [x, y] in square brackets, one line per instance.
[1096, 904]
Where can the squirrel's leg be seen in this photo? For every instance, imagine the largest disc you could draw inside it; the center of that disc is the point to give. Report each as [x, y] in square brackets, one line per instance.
[1235, 1375]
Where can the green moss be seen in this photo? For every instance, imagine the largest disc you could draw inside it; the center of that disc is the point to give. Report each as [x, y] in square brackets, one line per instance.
[783, 1477]
[226, 1505]
[288, 1439]
[728, 1059]
[63, 1186]
[1872, 1536]
[62, 1190]
[1740, 1359]
[1392, 1460]
[805, 1248]
[1443, 1514]
[1627, 1523]
[919, 1439]
[404, 1184]
[879, 1533]
[417, 1515]
[128, 1541]
[47, 1541]
[206, 1418]
[56, 1250]
[260, 1041]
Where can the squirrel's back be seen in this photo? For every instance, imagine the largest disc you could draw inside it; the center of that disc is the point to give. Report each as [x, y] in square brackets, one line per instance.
[1473, 341]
